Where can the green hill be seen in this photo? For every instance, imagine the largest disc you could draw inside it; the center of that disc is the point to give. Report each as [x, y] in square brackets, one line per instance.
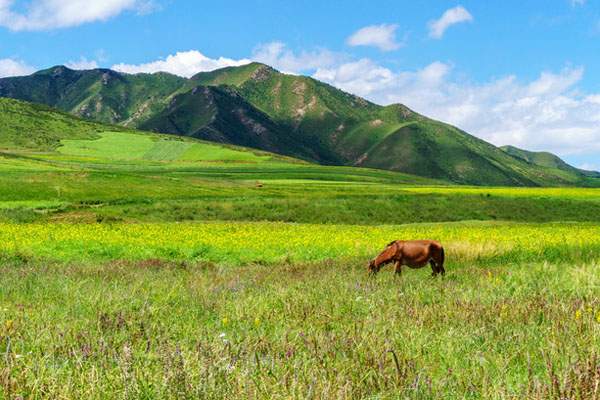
[36, 127]
[546, 159]
[257, 106]
[32, 126]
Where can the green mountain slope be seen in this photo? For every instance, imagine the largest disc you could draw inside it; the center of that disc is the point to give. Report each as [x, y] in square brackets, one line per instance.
[220, 115]
[546, 159]
[257, 106]
[37, 127]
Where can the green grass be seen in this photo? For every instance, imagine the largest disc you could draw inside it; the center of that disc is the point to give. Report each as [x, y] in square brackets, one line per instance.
[93, 189]
[159, 329]
[115, 145]
[119, 145]
[167, 150]
[203, 152]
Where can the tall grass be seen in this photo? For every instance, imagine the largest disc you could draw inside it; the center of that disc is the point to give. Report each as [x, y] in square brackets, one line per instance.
[158, 329]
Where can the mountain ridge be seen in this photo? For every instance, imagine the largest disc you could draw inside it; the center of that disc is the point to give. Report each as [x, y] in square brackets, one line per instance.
[255, 105]
[546, 159]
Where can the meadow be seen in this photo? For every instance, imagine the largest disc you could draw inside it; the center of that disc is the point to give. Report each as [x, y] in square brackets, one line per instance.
[169, 274]
[136, 312]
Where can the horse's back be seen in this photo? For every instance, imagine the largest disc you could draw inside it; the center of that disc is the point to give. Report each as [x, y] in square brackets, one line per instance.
[421, 249]
[423, 243]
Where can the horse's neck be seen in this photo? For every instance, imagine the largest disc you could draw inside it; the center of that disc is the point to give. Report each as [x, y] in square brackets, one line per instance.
[389, 253]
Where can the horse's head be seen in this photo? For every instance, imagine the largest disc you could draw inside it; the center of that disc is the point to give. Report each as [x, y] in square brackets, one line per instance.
[372, 268]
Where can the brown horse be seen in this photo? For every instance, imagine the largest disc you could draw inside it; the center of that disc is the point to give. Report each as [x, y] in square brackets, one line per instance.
[414, 253]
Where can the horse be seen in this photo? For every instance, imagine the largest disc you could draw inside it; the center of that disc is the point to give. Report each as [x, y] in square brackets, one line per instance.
[414, 253]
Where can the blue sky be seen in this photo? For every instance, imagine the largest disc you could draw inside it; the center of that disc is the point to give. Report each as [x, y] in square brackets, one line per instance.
[510, 72]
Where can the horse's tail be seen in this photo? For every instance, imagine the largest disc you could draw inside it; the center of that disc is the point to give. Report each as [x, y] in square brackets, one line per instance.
[442, 248]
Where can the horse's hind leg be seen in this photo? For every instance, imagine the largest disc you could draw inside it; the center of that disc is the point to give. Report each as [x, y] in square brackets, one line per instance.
[440, 267]
[434, 268]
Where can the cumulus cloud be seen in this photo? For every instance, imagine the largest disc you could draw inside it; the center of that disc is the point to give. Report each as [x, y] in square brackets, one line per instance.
[548, 113]
[191, 62]
[53, 14]
[10, 67]
[277, 55]
[452, 16]
[184, 64]
[381, 36]
[83, 63]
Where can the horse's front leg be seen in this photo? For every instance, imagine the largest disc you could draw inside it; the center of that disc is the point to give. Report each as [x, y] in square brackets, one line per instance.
[398, 268]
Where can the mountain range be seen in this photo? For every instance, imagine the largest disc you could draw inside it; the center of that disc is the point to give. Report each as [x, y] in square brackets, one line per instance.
[256, 106]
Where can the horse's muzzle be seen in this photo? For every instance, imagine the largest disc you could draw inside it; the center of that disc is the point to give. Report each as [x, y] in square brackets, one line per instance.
[371, 270]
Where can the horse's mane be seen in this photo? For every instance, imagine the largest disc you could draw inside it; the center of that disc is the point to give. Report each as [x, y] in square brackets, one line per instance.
[390, 243]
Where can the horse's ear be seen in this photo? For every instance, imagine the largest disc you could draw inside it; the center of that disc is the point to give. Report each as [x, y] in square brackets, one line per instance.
[390, 243]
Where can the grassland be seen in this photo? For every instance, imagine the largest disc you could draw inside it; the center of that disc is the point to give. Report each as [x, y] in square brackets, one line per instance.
[132, 266]
[514, 318]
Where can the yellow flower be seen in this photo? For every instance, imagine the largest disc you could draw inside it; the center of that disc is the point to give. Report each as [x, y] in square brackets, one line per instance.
[578, 314]
[598, 317]
[225, 321]
[589, 309]
[8, 324]
[504, 307]
[256, 321]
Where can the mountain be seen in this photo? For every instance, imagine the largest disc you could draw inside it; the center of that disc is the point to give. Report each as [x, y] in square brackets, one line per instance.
[257, 106]
[99, 94]
[221, 115]
[546, 159]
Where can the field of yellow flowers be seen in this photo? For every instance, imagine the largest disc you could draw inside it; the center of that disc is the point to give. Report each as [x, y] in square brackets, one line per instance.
[269, 242]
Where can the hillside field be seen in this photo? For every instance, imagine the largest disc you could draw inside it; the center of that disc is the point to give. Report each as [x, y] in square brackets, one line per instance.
[133, 266]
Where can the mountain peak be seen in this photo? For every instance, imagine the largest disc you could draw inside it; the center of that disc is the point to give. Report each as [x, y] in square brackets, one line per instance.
[57, 70]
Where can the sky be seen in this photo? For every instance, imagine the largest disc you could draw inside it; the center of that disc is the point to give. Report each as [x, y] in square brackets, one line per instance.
[511, 72]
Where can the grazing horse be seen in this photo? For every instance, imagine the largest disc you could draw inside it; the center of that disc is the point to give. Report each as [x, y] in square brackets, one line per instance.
[414, 253]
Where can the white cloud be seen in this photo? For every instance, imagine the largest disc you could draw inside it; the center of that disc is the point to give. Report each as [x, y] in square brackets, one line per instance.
[381, 36]
[452, 16]
[589, 167]
[575, 2]
[548, 113]
[10, 67]
[53, 14]
[277, 55]
[83, 63]
[274, 54]
[185, 64]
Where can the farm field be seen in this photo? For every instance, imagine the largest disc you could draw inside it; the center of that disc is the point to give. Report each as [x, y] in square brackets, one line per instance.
[166, 273]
